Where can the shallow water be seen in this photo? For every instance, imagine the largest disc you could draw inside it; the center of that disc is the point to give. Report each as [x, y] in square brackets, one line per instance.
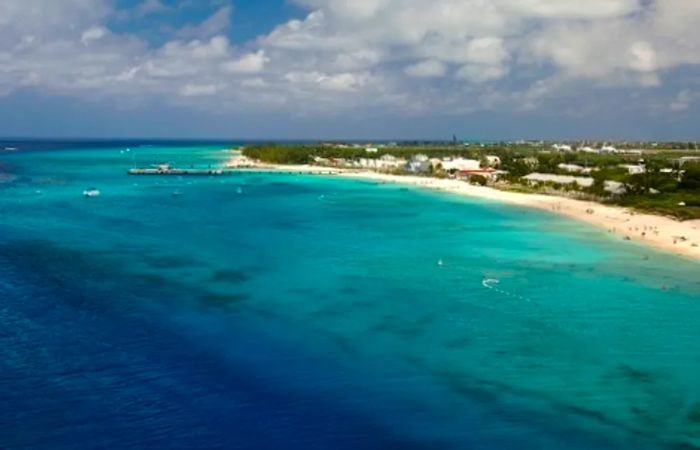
[311, 312]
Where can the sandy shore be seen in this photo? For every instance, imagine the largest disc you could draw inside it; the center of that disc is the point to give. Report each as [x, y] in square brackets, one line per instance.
[682, 238]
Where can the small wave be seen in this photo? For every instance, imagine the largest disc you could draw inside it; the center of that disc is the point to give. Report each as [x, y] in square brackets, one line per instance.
[492, 283]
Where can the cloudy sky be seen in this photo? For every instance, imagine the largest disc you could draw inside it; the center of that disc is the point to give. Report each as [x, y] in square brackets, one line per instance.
[481, 69]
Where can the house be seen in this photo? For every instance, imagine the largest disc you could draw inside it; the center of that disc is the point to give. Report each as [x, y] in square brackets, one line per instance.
[535, 178]
[418, 164]
[562, 148]
[435, 162]
[488, 173]
[572, 168]
[530, 161]
[608, 149]
[459, 164]
[371, 150]
[493, 161]
[634, 169]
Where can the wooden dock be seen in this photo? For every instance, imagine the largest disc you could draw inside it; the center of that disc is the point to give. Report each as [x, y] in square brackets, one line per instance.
[175, 171]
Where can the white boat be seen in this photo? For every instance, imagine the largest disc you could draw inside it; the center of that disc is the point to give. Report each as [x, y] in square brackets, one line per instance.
[92, 192]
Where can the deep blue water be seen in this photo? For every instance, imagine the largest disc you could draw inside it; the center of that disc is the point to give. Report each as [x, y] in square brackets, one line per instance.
[278, 311]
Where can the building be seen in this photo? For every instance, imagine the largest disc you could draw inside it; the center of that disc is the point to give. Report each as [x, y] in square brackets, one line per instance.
[608, 149]
[562, 148]
[488, 173]
[572, 168]
[535, 178]
[493, 161]
[418, 164]
[634, 169]
[371, 149]
[460, 164]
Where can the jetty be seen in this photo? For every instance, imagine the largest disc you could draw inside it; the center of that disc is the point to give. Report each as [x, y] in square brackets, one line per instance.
[166, 169]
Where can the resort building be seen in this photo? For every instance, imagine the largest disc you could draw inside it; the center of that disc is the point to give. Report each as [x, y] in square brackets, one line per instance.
[493, 161]
[460, 164]
[418, 164]
[608, 149]
[562, 148]
[634, 169]
[536, 178]
[572, 168]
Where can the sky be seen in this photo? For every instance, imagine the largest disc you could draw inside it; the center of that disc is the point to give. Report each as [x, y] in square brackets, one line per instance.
[350, 69]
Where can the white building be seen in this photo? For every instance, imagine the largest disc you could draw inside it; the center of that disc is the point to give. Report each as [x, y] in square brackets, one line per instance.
[634, 169]
[534, 178]
[461, 164]
[418, 164]
[608, 149]
[562, 148]
[572, 168]
[371, 149]
[493, 161]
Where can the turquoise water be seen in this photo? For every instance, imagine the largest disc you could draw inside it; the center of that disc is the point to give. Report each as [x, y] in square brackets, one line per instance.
[283, 311]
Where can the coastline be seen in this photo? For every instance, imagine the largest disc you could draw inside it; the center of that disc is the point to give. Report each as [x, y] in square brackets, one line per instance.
[663, 233]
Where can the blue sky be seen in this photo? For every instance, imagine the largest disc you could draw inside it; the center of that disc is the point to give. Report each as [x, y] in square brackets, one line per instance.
[391, 69]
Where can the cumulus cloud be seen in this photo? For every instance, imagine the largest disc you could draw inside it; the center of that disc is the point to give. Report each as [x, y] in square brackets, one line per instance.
[250, 63]
[399, 56]
[427, 69]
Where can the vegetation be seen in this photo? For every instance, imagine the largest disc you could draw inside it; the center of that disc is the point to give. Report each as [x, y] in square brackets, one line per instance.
[664, 188]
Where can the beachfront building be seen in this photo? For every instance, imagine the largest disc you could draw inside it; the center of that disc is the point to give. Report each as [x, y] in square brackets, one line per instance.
[561, 180]
[488, 173]
[418, 164]
[460, 164]
[492, 161]
[608, 149]
[435, 162]
[572, 168]
[371, 150]
[562, 148]
[386, 162]
[634, 169]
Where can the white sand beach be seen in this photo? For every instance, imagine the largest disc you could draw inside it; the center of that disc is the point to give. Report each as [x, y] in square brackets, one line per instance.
[665, 233]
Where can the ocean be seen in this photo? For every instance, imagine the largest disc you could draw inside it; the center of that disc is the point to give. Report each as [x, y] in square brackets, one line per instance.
[271, 311]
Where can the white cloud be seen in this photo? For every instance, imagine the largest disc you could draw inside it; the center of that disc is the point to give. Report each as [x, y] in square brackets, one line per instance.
[427, 69]
[93, 34]
[250, 63]
[199, 90]
[362, 54]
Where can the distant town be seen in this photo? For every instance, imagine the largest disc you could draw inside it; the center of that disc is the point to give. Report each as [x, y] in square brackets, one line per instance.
[658, 177]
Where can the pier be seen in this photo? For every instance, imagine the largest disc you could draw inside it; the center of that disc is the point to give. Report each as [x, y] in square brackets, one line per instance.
[166, 169]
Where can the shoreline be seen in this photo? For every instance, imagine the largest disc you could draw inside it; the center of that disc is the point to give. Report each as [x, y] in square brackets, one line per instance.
[663, 233]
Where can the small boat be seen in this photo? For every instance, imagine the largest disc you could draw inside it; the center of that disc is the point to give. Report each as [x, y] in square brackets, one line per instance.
[177, 193]
[92, 192]
[490, 282]
[10, 149]
[239, 190]
[440, 263]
